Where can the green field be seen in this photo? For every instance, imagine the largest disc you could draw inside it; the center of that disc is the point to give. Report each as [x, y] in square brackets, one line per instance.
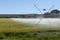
[11, 30]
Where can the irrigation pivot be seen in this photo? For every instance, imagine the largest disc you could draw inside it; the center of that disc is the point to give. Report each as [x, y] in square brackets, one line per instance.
[51, 7]
[42, 13]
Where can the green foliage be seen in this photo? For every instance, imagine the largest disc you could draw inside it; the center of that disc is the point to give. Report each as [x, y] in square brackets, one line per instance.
[52, 14]
[32, 36]
[55, 11]
[11, 30]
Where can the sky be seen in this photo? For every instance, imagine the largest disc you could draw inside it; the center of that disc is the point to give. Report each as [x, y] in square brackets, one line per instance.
[27, 6]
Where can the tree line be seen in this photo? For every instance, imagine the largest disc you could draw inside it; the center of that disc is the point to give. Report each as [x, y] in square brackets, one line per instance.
[55, 13]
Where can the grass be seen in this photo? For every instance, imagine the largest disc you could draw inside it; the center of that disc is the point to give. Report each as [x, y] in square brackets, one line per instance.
[7, 25]
[11, 30]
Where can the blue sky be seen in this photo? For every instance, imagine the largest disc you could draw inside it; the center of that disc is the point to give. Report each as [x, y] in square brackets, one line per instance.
[26, 6]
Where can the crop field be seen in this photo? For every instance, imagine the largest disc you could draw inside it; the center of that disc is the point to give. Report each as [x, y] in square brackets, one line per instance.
[45, 21]
[11, 30]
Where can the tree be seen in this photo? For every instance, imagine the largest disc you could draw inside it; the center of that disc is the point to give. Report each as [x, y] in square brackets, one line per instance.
[55, 11]
[52, 14]
[46, 14]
